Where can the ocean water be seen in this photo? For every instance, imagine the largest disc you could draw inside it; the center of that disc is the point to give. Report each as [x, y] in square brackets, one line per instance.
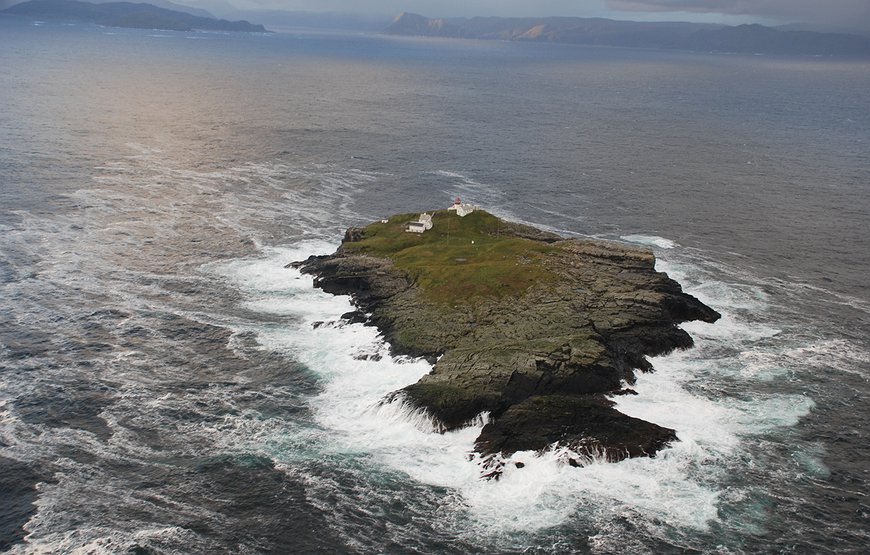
[164, 388]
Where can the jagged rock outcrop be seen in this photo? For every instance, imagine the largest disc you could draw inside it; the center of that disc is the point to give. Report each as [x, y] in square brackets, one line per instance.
[539, 360]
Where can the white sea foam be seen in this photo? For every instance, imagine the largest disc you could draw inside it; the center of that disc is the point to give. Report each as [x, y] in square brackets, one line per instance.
[356, 372]
[679, 488]
[105, 541]
[93, 251]
[823, 355]
[650, 241]
[544, 493]
[474, 191]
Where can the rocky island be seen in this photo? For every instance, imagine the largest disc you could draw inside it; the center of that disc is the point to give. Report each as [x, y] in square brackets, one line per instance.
[536, 331]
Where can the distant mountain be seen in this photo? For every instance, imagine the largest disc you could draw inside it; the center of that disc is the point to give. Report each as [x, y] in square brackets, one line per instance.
[607, 32]
[315, 20]
[825, 28]
[126, 14]
[766, 40]
[421, 26]
[167, 5]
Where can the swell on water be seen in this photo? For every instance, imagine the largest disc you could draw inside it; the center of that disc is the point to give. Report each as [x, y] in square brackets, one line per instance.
[683, 489]
[167, 346]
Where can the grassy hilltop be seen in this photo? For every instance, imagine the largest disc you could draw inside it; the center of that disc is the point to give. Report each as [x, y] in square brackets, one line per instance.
[460, 258]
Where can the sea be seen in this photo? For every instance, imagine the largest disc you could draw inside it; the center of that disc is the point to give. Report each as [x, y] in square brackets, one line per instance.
[169, 385]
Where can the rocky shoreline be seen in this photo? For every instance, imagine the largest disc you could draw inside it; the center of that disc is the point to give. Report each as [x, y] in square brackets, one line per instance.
[542, 359]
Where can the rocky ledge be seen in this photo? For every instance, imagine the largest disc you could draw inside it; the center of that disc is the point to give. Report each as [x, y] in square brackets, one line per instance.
[537, 331]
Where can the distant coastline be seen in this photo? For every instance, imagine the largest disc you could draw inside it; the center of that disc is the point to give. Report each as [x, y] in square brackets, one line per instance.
[127, 14]
[696, 37]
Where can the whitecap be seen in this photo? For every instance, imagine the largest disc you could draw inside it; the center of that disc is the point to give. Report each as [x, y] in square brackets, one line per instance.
[545, 493]
[681, 488]
[650, 241]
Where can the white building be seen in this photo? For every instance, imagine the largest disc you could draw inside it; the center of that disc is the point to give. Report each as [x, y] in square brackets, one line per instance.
[423, 223]
[462, 209]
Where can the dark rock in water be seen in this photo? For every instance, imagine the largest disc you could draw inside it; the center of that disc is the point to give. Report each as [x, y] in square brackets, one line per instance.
[368, 356]
[587, 425]
[354, 317]
[625, 391]
[301, 263]
[530, 328]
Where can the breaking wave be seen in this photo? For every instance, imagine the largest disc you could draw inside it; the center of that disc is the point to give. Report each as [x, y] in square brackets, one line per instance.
[684, 488]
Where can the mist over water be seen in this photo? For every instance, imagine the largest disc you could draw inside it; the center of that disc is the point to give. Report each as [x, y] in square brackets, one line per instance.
[167, 383]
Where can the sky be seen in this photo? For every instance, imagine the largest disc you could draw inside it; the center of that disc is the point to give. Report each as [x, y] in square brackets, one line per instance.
[850, 14]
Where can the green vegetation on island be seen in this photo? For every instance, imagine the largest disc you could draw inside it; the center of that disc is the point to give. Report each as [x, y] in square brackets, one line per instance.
[461, 258]
[533, 331]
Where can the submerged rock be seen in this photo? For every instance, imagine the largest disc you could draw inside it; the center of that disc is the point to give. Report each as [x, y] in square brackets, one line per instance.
[533, 329]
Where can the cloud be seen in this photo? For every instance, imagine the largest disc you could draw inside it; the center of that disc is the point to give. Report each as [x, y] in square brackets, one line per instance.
[851, 12]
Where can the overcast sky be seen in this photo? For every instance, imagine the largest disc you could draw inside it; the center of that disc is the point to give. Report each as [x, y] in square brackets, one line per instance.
[847, 13]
